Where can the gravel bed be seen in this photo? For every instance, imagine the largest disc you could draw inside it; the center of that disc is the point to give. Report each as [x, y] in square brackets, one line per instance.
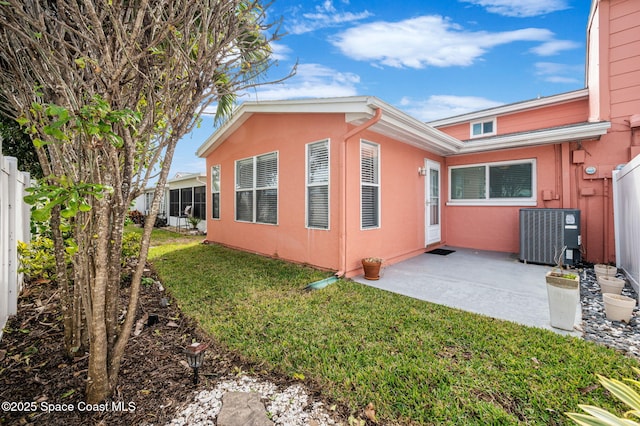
[290, 406]
[597, 328]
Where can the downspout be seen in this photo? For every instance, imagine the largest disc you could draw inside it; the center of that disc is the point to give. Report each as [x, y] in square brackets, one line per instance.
[343, 178]
[605, 227]
[566, 176]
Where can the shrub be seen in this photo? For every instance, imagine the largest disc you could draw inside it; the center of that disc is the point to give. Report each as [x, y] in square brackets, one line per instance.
[130, 246]
[37, 259]
[136, 217]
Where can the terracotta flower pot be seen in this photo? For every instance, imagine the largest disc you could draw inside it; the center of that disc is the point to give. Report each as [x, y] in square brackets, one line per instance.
[610, 284]
[618, 307]
[604, 270]
[371, 266]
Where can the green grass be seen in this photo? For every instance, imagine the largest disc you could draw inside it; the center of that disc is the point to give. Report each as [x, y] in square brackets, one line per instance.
[416, 361]
[164, 236]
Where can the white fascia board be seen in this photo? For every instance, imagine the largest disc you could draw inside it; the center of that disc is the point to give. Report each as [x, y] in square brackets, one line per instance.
[544, 137]
[352, 104]
[418, 133]
[512, 108]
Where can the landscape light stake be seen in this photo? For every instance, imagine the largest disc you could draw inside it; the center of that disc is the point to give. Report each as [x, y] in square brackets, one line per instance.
[195, 356]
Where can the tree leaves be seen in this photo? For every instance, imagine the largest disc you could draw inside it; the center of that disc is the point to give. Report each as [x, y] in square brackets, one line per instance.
[71, 197]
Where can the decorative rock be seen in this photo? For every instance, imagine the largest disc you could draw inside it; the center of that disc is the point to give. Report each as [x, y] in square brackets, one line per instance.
[290, 406]
[597, 328]
[242, 409]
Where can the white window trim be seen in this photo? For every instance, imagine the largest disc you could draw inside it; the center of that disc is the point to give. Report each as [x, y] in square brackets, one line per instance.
[379, 185]
[482, 135]
[254, 189]
[216, 192]
[531, 201]
[307, 185]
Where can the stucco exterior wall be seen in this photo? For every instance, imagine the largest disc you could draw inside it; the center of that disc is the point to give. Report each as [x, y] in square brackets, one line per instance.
[496, 228]
[402, 193]
[402, 219]
[573, 112]
[289, 239]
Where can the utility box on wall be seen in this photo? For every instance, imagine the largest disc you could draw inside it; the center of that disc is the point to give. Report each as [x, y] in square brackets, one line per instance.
[545, 233]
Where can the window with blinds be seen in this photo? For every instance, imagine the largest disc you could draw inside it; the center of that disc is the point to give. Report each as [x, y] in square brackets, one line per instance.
[369, 185]
[215, 192]
[257, 189]
[318, 185]
[504, 181]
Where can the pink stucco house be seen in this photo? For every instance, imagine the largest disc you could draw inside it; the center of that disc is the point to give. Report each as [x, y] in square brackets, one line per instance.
[329, 181]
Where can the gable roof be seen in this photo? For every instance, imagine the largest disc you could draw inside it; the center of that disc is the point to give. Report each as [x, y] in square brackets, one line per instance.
[356, 109]
[400, 126]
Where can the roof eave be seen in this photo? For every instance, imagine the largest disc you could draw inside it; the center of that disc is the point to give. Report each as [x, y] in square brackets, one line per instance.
[414, 132]
[550, 136]
[357, 110]
[512, 108]
[343, 105]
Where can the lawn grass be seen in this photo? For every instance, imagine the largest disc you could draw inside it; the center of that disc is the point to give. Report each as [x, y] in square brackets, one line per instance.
[161, 236]
[416, 361]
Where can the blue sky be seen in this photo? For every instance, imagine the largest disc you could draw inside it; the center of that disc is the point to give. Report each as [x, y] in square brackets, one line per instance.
[429, 58]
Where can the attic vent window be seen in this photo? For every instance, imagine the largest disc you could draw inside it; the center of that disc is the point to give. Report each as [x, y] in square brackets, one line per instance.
[483, 128]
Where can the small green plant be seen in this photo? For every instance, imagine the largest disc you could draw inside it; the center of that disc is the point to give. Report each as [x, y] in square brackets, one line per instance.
[37, 259]
[193, 221]
[147, 281]
[627, 394]
[130, 246]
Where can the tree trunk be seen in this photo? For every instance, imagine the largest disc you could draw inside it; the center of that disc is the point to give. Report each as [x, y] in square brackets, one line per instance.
[98, 388]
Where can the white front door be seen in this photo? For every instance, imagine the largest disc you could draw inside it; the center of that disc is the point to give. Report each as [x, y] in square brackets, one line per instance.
[432, 205]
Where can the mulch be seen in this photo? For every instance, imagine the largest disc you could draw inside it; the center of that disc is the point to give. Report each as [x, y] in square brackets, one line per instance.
[155, 382]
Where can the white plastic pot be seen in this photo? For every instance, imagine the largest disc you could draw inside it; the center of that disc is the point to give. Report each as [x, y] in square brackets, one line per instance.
[564, 296]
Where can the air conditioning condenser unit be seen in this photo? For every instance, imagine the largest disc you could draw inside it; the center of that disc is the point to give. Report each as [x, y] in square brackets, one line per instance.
[546, 234]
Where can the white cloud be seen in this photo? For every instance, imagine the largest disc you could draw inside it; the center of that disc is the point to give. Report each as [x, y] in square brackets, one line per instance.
[554, 47]
[279, 51]
[325, 15]
[441, 106]
[521, 8]
[559, 73]
[425, 41]
[310, 81]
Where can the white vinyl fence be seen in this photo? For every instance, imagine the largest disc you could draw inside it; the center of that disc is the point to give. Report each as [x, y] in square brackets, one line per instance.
[626, 210]
[14, 226]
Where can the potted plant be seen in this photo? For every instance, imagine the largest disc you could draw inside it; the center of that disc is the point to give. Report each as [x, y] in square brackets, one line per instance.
[193, 221]
[371, 266]
[563, 292]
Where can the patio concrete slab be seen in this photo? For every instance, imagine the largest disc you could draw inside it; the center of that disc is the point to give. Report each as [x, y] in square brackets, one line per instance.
[494, 284]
